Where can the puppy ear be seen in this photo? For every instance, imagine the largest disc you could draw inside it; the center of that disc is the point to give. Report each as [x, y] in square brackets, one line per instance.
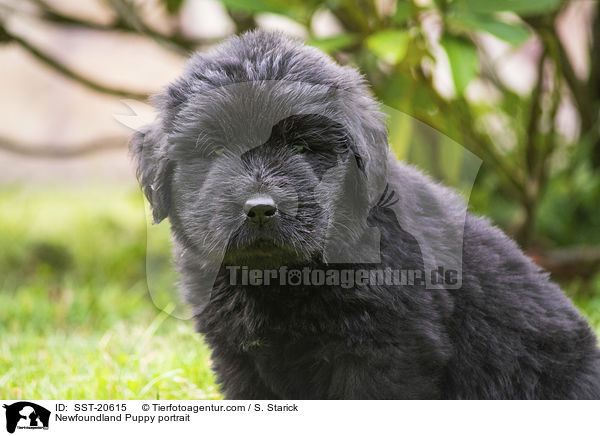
[154, 169]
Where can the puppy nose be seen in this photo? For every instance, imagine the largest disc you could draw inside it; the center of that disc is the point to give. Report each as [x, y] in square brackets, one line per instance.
[260, 209]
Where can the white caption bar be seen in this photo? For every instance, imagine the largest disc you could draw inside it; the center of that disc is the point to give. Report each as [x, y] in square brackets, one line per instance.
[32, 417]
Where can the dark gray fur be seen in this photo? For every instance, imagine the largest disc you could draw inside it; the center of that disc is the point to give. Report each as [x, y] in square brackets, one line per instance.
[507, 332]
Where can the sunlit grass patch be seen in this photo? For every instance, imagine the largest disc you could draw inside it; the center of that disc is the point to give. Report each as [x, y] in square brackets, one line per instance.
[76, 319]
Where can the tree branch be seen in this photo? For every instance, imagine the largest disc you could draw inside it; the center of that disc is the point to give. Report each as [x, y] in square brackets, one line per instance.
[580, 93]
[129, 19]
[593, 80]
[174, 41]
[545, 27]
[569, 262]
[66, 71]
[535, 112]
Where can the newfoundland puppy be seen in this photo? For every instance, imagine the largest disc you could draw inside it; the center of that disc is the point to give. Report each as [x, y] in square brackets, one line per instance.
[318, 266]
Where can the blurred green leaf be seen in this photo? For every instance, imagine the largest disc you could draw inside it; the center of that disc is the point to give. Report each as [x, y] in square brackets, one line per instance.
[389, 45]
[334, 43]
[464, 61]
[513, 33]
[295, 9]
[403, 12]
[255, 5]
[451, 157]
[173, 6]
[400, 133]
[521, 7]
[402, 93]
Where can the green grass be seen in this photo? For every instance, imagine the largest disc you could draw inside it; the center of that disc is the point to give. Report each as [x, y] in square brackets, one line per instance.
[76, 317]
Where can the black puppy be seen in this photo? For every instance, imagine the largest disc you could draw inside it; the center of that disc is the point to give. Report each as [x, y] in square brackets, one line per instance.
[320, 267]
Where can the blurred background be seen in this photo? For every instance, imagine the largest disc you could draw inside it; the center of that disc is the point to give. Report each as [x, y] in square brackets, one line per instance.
[506, 92]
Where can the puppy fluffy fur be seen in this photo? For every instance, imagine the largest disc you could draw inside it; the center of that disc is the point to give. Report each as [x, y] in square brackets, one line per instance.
[230, 127]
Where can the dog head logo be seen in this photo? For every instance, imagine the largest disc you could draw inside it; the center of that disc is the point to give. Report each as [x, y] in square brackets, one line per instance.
[26, 415]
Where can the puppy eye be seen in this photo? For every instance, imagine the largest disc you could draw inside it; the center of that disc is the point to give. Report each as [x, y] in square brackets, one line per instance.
[217, 152]
[300, 148]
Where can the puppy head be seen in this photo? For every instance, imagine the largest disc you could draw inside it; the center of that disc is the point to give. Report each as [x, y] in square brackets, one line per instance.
[263, 149]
